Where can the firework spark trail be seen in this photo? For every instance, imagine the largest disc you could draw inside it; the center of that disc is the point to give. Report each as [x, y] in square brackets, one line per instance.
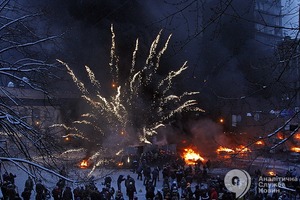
[177, 98]
[170, 77]
[133, 76]
[113, 107]
[88, 115]
[85, 122]
[134, 56]
[133, 85]
[113, 57]
[119, 152]
[152, 51]
[74, 150]
[161, 52]
[79, 84]
[77, 133]
[117, 113]
[181, 108]
[92, 77]
[149, 61]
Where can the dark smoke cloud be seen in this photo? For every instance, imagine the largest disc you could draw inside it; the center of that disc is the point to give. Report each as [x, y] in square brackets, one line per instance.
[218, 57]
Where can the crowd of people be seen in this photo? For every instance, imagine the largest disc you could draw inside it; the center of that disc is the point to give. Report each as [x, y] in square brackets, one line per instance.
[173, 180]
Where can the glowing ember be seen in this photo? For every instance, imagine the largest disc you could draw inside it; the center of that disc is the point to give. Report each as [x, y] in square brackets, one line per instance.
[120, 164]
[259, 142]
[113, 85]
[271, 173]
[280, 136]
[295, 149]
[297, 136]
[190, 156]
[84, 164]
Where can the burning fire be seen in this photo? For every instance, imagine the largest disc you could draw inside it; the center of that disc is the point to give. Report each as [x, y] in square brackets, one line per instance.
[190, 156]
[295, 149]
[84, 164]
[224, 149]
[297, 136]
[280, 136]
[239, 149]
[259, 142]
[271, 173]
[242, 149]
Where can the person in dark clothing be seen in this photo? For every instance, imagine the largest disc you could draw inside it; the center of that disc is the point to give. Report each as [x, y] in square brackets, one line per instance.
[130, 188]
[147, 174]
[29, 183]
[4, 189]
[17, 197]
[26, 194]
[96, 194]
[119, 195]
[158, 195]
[11, 190]
[150, 190]
[41, 191]
[197, 192]
[5, 177]
[110, 191]
[61, 184]
[107, 181]
[77, 193]
[135, 165]
[57, 193]
[155, 174]
[119, 181]
[67, 194]
[12, 178]
[189, 192]
[139, 172]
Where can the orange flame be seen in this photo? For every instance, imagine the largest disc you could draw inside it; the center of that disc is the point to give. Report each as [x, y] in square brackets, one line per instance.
[114, 85]
[190, 156]
[84, 164]
[242, 149]
[224, 149]
[297, 136]
[259, 142]
[239, 149]
[271, 173]
[280, 136]
[295, 149]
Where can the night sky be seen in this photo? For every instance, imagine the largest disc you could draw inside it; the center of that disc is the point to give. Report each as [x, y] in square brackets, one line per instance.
[216, 39]
[217, 53]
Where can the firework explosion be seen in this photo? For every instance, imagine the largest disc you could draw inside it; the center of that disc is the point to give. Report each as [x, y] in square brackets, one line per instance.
[129, 115]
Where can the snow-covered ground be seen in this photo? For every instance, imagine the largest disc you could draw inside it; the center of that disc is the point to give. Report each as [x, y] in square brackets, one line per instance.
[77, 174]
[50, 180]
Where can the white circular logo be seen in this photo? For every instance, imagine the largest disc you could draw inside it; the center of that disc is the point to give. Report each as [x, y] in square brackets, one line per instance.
[238, 182]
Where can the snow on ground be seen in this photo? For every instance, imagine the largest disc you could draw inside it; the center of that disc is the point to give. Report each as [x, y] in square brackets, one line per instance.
[75, 173]
[50, 180]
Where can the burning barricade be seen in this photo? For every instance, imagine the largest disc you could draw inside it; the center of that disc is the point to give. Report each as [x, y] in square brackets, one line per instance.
[226, 153]
[84, 164]
[191, 157]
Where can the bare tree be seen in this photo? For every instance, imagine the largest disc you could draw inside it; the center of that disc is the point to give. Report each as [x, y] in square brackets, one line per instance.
[25, 69]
